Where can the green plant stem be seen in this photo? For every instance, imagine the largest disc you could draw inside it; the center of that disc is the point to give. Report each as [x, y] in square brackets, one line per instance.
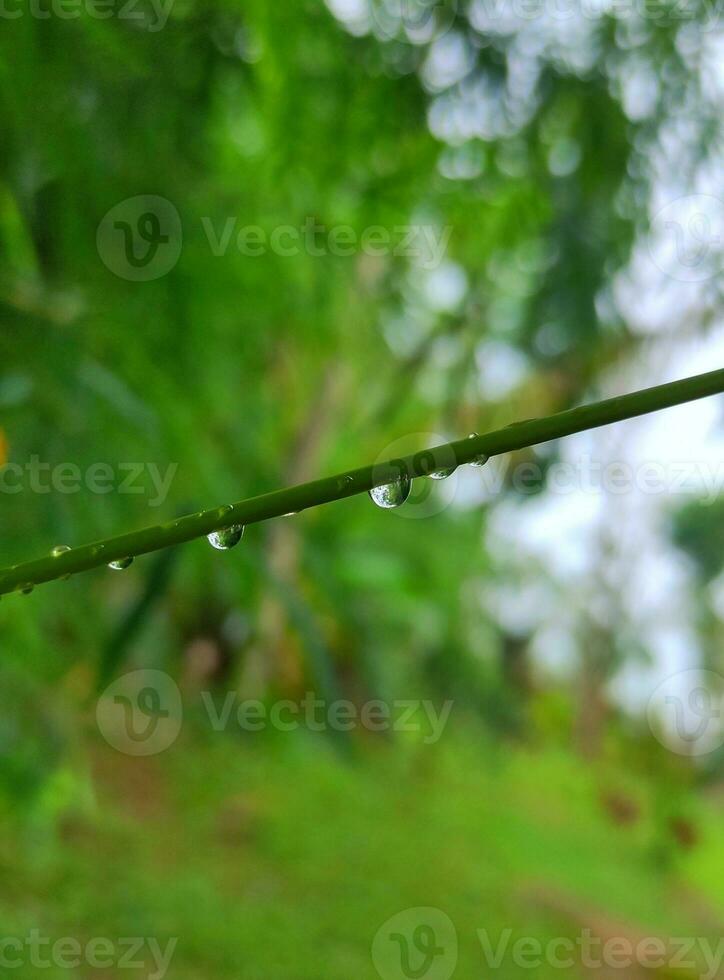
[517, 436]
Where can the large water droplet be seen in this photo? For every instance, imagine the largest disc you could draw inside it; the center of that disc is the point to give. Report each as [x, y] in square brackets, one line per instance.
[391, 495]
[227, 538]
[480, 460]
[120, 564]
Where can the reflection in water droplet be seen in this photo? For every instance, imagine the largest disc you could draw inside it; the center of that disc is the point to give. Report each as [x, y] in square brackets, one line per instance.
[392, 495]
[121, 564]
[442, 474]
[480, 460]
[227, 538]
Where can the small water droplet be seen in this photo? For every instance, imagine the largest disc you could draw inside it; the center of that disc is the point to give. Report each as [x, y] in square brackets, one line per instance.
[391, 495]
[292, 513]
[425, 464]
[225, 510]
[120, 564]
[227, 538]
[61, 549]
[480, 460]
[27, 588]
[344, 482]
[442, 474]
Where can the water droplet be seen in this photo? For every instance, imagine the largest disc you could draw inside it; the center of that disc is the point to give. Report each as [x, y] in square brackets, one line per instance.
[225, 510]
[344, 482]
[27, 588]
[480, 460]
[58, 550]
[442, 474]
[292, 513]
[228, 537]
[121, 564]
[425, 463]
[391, 495]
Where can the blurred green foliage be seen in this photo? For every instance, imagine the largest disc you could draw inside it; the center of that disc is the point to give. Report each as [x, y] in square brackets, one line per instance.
[252, 372]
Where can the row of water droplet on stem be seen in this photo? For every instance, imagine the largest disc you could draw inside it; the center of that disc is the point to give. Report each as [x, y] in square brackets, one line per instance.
[388, 496]
[391, 495]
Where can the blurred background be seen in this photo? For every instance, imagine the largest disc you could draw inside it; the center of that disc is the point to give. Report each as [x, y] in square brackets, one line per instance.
[246, 245]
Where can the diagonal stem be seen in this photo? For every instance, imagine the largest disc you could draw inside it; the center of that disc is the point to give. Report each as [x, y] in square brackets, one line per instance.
[517, 436]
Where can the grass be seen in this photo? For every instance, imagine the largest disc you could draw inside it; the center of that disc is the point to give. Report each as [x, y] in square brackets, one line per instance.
[272, 857]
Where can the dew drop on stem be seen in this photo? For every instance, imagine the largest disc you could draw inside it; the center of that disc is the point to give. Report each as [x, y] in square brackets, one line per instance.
[480, 460]
[391, 495]
[120, 564]
[442, 474]
[227, 538]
